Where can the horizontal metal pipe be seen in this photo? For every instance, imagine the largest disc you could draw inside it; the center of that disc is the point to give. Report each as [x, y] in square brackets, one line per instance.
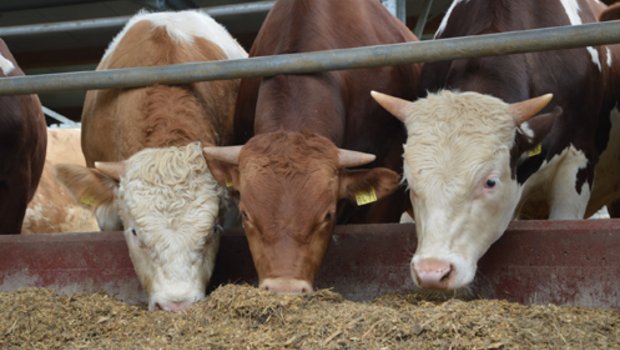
[37, 4]
[371, 56]
[118, 22]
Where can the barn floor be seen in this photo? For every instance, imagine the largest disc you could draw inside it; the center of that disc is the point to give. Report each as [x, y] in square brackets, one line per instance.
[243, 317]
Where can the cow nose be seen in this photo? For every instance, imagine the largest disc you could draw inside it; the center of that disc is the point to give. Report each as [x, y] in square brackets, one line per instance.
[286, 285]
[432, 273]
[174, 306]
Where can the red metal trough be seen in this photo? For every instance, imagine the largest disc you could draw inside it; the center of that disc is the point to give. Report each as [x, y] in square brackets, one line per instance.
[560, 262]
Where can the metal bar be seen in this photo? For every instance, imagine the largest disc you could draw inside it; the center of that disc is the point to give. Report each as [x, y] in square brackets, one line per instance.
[118, 22]
[421, 23]
[37, 4]
[301, 63]
[59, 117]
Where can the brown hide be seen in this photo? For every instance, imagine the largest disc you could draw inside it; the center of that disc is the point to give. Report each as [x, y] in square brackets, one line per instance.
[53, 208]
[22, 151]
[117, 123]
[577, 84]
[290, 180]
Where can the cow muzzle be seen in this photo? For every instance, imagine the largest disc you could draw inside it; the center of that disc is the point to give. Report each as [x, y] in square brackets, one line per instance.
[433, 274]
[286, 286]
[174, 306]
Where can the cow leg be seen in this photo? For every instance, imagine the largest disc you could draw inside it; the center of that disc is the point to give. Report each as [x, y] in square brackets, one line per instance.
[569, 193]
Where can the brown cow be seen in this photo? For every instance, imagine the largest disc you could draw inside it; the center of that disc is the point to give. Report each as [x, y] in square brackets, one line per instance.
[150, 176]
[477, 147]
[53, 208]
[291, 174]
[22, 148]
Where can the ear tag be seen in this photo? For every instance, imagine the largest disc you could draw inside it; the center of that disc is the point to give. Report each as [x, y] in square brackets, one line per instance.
[366, 197]
[87, 200]
[229, 183]
[535, 151]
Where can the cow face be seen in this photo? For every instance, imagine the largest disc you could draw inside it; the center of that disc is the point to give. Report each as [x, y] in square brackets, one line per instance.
[289, 185]
[167, 202]
[460, 164]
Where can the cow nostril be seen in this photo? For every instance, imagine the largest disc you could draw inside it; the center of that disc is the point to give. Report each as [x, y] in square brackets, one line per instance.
[304, 290]
[446, 276]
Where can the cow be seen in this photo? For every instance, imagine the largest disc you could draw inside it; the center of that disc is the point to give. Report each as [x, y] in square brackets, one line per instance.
[610, 175]
[53, 209]
[494, 132]
[146, 172]
[300, 133]
[22, 148]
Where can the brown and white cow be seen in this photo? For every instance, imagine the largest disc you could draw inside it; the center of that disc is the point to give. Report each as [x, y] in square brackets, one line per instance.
[22, 148]
[292, 174]
[472, 157]
[147, 171]
[53, 208]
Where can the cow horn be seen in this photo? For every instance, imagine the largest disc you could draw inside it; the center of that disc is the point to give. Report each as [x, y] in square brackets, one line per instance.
[348, 159]
[398, 107]
[524, 110]
[228, 154]
[112, 169]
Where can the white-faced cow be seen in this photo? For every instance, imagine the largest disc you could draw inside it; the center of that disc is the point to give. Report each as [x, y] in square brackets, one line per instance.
[147, 171]
[291, 173]
[473, 157]
[53, 208]
[22, 148]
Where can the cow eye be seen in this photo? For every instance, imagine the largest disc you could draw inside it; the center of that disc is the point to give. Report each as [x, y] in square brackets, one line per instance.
[329, 216]
[490, 182]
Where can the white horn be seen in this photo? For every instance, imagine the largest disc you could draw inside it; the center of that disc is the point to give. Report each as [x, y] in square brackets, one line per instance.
[349, 159]
[396, 106]
[228, 154]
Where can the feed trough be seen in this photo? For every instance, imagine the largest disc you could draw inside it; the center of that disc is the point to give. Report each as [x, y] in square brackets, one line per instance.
[534, 262]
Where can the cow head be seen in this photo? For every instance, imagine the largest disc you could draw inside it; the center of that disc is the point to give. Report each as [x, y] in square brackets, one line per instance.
[289, 184]
[167, 202]
[460, 163]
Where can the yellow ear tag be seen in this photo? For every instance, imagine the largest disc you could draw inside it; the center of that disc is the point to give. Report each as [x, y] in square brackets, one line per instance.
[87, 200]
[535, 151]
[366, 197]
[229, 183]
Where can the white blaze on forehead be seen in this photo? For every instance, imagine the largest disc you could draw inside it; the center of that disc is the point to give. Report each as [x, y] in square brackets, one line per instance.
[571, 7]
[444, 20]
[172, 201]
[6, 65]
[184, 26]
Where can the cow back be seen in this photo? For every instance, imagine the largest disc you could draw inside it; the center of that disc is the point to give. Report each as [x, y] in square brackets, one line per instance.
[117, 123]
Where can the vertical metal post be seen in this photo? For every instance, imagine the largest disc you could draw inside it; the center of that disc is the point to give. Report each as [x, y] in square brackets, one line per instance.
[419, 26]
[396, 7]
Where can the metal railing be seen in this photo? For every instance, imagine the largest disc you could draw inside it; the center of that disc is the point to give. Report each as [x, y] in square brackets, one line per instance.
[372, 56]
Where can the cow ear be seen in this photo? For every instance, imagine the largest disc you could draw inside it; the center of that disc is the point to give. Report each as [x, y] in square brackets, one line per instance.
[530, 133]
[226, 174]
[94, 190]
[367, 186]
